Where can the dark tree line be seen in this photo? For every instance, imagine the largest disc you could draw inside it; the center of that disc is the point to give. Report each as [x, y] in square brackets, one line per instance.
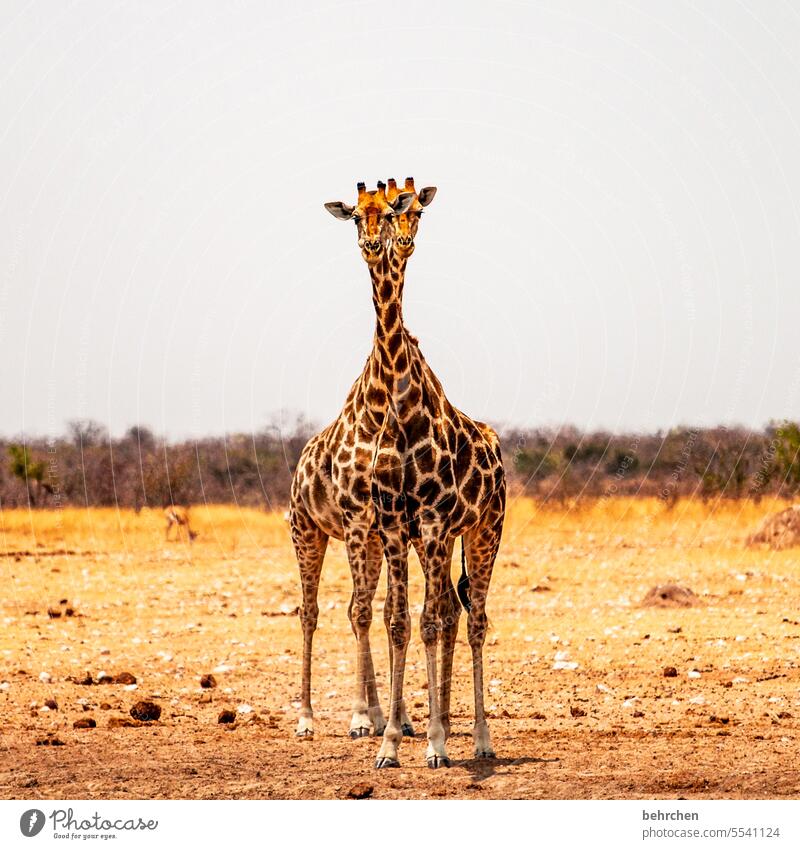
[87, 467]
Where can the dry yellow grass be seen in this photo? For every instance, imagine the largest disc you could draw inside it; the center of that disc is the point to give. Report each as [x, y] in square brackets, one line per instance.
[567, 589]
[108, 529]
[644, 521]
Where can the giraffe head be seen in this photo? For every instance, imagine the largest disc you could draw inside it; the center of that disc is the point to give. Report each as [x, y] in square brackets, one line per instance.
[405, 225]
[372, 214]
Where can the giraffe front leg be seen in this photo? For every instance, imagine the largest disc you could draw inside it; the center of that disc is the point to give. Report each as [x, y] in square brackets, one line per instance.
[399, 633]
[437, 576]
[374, 559]
[405, 721]
[310, 549]
[367, 714]
[360, 614]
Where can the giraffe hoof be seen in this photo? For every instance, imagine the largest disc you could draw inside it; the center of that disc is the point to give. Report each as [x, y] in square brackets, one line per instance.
[435, 761]
[485, 754]
[305, 734]
[379, 729]
[386, 763]
[408, 730]
[355, 733]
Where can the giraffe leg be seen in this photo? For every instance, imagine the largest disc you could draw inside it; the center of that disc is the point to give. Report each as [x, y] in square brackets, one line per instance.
[437, 576]
[399, 620]
[360, 613]
[374, 561]
[367, 713]
[481, 545]
[450, 617]
[310, 544]
[406, 725]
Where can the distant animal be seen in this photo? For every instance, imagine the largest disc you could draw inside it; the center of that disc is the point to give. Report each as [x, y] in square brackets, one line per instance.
[178, 517]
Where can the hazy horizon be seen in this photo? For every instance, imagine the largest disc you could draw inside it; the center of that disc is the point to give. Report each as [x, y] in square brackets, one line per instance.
[614, 243]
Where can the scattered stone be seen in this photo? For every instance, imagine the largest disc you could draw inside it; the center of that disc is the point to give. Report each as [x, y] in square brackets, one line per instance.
[44, 677]
[206, 698]
[69, 611]
[105, 706]
[85, 681]
[103, 678]
[124, 722]
[146, 711]
[360, 791]
[718, 720]
[576, 711]
[670, 672]
[638, 714]
[51, 703]
[125, 678]
[226, 717]
[208, 682]
[538, 716]
[670, 595]
[53, 612]
[244, 709]
[87, 722]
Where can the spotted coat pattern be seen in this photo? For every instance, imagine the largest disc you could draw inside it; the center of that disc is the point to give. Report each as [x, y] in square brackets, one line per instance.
[401, 466]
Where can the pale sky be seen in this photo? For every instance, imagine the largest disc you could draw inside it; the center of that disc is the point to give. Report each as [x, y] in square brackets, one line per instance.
[615, 241]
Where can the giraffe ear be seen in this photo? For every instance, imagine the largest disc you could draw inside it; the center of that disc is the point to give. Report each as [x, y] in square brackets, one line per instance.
[402, 203]
[426, 195]
[340, 210]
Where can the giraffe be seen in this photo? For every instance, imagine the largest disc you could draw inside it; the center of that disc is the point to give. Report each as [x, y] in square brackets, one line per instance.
[333, 469]
[433, 474]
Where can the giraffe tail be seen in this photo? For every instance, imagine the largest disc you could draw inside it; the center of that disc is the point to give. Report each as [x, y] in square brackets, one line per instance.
[463, 581]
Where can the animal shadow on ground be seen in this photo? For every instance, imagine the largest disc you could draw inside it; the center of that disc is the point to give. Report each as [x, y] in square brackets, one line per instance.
[482, 768]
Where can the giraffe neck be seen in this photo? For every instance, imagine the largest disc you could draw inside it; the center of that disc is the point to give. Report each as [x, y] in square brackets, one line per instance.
[390, 365]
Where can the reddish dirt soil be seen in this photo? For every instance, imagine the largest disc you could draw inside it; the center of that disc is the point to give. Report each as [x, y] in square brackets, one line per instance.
[567, 590]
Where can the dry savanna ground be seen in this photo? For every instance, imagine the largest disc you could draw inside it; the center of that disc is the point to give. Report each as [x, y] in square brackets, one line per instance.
[579, 702]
